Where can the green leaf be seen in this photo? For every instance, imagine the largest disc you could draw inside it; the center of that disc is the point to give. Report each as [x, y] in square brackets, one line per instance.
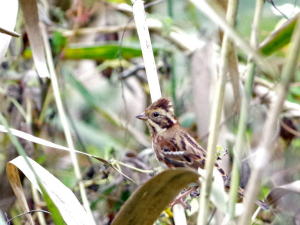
[58, 41]
[295, 91]
[95, 52]
[147, 202]
[278, 38]
[103, 52]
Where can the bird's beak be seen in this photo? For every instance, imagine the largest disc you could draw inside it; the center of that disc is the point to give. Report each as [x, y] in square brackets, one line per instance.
[142, 116]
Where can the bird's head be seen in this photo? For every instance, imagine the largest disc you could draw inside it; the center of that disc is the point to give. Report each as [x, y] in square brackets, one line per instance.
[159, 116]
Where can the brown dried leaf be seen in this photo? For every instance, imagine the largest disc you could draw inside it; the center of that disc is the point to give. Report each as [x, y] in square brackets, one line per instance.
[146, 203]
[64, 199]
[15, 182]
[280, 191]
[31, 18]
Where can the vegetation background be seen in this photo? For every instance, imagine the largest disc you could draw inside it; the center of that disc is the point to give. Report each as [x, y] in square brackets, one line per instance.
[101, 85]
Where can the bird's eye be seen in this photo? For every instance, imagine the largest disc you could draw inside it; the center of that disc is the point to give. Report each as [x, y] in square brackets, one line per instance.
[155, 114]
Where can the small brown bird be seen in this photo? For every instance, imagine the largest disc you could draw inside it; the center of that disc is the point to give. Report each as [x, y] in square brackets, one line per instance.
[172, 144]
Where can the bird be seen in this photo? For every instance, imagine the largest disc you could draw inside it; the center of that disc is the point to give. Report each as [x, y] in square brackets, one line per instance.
[173, 145]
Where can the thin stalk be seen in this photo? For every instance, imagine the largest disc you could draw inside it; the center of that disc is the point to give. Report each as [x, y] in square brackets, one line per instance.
[28, 104]
[216, 117]
[25, 213]
[172, 58]
[212, 142]
[152, 77]
[145, 41]
[265, 149]
[173, 82]
[18, 106]
[48, 99]
[64, 122]
[240, 143]
[242, 127]
[37, 201]
[131, 167]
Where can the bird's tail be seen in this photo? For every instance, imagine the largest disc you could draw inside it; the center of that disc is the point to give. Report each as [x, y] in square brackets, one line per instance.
[241, 191]
[260, 203]
[224, 175]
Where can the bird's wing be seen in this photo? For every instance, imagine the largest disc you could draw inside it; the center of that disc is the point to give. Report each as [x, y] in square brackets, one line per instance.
[182, 152]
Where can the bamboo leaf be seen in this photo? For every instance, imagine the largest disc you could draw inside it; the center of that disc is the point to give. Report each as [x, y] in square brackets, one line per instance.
[103, 52]
[31, 18]
[280, 191]
[14, 179]
[64, 199]
[15, 182]
[278, 38]
[8, 16]
[146, 203]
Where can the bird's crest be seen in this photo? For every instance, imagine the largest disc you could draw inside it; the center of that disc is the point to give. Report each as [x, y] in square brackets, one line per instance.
[162, 103]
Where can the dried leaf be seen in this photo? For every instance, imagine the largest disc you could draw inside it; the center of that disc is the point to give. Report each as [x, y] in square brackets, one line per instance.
[8, 17]
[15, 182]
[290, 109]
[146, 203]
[280, 191]
[64, 199]
[31, 18]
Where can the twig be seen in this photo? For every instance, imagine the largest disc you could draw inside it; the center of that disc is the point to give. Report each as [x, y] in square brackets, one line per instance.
[212, 215]
[273, 4]
[292, 131]
[242, 127]
[38, 204]
[31, 211]
[64, 122]
[131, 167]
[8, 32]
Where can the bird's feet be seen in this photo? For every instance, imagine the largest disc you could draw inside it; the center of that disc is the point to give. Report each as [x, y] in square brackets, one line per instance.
[179, 200]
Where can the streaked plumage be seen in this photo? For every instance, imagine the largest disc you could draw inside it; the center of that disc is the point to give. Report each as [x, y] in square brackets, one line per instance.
[172, 144]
